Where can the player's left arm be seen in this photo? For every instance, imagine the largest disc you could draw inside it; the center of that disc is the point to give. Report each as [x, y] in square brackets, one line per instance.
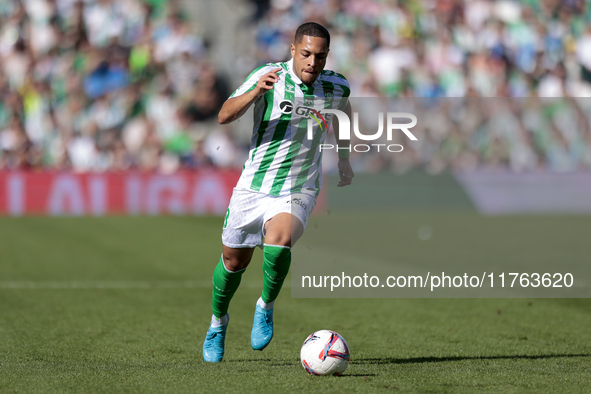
[345, 171]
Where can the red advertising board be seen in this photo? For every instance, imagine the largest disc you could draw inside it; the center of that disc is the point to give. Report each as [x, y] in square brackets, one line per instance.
[65, 193]
[119, 193]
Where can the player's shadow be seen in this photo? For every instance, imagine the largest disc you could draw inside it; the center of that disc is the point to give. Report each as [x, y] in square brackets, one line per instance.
[296, 361]
[419, 360]
[247, 360]
[352, 375]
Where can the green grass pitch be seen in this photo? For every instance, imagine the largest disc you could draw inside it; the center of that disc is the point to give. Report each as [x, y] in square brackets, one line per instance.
[116, 305]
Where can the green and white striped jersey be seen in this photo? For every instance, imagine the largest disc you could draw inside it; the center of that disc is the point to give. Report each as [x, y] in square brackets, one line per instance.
[282, 160]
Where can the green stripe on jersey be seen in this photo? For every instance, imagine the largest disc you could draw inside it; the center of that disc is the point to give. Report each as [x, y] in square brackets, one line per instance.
[252, 87]
[267, 109]
[317, 183]
[328, 86]
[346, 93]
[309, 160]
[306, 165]
[277, 139]
[294, 148]
[345, 98]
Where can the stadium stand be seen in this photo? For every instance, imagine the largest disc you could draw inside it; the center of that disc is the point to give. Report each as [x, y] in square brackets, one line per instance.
[105, 85]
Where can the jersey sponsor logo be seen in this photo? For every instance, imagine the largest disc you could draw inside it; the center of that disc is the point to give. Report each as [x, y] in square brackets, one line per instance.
[286, 107]
[289, 88]
[309, 112]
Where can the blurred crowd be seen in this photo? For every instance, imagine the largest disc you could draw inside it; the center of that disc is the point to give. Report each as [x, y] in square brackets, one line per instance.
[106, 85]
[444, 48]
[466, 134]
[96, 85]
[464, 49]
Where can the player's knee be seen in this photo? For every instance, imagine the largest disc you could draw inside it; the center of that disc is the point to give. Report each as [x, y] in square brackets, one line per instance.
[278, 239]
[235, 263]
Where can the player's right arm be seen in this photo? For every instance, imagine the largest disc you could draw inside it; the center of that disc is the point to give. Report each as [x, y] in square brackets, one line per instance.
[236, 106]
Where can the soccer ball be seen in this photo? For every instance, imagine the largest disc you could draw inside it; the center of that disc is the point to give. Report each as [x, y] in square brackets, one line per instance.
[325, 353]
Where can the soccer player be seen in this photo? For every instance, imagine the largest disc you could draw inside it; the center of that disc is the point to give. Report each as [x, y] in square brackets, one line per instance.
[281, 179]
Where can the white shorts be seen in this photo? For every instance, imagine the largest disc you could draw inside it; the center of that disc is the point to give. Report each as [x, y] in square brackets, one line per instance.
[244, 226]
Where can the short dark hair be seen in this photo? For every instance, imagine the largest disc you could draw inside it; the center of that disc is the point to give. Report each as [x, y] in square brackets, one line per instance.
[312, 29]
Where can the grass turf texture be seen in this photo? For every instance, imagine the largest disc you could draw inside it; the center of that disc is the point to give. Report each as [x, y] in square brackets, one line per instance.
[122, 305]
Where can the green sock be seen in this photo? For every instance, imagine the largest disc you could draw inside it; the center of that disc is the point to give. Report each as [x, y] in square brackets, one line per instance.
[277, 260]
[225, 284]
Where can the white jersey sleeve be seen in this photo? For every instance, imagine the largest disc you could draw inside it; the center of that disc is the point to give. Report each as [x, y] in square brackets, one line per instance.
[252, 80]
